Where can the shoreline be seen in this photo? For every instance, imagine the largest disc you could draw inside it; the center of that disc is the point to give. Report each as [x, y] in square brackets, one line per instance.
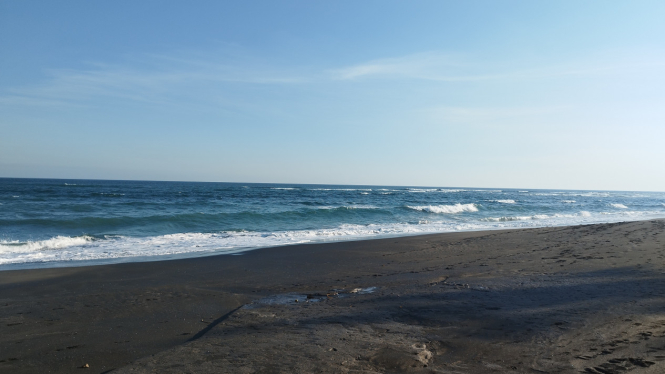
[242, 251]
[467, 301]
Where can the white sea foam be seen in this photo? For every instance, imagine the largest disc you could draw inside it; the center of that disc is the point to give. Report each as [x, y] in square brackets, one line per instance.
[348, 207]
[447, 209]
[339, 189]
[573, 194]
[445, 216]
[58, 242]
[361, 207]
[123, 248]
[422, 190]
[515, 218]
[195, 244]
[441, 190]
[556, 216]
[114, 247]
[591, 194]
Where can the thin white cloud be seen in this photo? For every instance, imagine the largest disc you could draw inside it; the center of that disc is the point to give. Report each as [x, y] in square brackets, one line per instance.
[428, 66]
[152, 79]
[448, 68]
[171, 79]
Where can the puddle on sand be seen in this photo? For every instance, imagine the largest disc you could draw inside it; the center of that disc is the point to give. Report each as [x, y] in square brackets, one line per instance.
[283, 299]
[298, 298]
[363, 291]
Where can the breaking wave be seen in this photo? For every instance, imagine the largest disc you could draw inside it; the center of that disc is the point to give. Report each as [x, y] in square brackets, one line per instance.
[58, 242]
[446, 209]
[44, 221]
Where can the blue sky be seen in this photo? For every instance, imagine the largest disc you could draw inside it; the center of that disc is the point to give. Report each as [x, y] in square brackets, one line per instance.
[523, 94]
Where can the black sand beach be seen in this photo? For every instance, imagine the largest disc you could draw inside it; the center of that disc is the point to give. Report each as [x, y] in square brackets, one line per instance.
[549, 300]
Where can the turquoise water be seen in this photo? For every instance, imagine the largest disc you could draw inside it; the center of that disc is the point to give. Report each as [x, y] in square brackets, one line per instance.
[46, 222]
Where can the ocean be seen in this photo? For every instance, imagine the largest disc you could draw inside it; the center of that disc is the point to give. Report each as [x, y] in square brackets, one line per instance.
[49, 222]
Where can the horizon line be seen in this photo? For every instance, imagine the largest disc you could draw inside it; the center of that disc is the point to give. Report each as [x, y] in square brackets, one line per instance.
[328, 184]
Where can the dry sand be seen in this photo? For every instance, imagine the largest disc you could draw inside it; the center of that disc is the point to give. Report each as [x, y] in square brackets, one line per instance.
[574, 299]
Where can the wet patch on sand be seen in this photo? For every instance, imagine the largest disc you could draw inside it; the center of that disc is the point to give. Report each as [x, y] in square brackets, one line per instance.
[300, 298]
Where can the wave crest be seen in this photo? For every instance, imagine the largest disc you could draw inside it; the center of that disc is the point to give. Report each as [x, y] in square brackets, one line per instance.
[348, 207]
[58, 242]
[446, 209]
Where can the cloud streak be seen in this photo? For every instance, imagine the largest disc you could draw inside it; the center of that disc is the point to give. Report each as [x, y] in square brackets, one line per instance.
[434, 66]
[426, 66]
[161, 80]
[205, 78]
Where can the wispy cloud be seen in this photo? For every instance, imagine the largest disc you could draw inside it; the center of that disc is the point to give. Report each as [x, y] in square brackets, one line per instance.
[435, 66]
[200, 78]
[428, 66]
[149, 79]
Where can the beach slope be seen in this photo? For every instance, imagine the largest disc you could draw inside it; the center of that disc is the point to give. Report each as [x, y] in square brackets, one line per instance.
[549, 300]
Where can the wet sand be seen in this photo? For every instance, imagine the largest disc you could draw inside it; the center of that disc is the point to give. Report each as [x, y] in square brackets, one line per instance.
[551, 300]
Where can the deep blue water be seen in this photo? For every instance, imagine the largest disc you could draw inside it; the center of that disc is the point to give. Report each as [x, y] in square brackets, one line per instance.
[47, 222]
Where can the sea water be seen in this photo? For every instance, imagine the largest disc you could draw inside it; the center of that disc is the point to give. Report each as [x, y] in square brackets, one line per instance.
[48, 222]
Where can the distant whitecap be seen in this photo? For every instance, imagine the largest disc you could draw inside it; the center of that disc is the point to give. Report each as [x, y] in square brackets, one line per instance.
[448, 209]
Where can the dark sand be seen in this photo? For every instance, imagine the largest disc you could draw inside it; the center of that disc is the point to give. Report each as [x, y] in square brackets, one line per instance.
[551, 300]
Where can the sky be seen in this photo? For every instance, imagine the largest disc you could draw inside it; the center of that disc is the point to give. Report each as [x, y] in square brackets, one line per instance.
[509, 94]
